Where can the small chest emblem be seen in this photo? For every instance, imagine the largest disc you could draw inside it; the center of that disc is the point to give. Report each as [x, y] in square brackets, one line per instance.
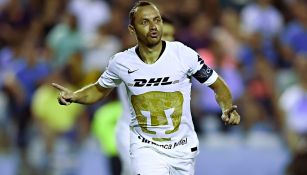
[131, 71]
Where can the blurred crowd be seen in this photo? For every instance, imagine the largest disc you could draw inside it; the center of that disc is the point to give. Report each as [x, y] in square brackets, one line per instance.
[258, 46]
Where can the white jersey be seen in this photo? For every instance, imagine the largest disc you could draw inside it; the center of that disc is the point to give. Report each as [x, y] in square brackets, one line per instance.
[159, 97]
[123, 132]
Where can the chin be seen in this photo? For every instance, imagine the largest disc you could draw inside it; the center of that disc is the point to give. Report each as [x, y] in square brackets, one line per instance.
[153, 42]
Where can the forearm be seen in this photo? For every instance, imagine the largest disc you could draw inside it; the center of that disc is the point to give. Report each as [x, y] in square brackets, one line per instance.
[90, 94]
[222, 94]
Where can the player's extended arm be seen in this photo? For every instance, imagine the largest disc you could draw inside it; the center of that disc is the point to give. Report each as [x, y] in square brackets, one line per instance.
[224, 99]
[86, 95]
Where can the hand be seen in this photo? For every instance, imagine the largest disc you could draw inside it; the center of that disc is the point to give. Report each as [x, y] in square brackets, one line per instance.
[230, 116]
[65, 96]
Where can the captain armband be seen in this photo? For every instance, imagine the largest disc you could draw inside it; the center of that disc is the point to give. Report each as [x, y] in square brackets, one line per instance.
[206, 75]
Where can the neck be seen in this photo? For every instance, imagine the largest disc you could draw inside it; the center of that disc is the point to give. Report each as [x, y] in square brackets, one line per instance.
[150, 54]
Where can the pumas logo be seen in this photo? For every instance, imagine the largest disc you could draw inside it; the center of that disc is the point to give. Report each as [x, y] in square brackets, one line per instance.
[152, 82]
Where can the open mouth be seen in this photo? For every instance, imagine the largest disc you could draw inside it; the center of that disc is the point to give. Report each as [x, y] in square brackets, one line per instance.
[154, 34]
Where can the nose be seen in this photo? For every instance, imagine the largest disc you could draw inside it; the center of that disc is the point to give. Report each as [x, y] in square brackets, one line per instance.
[153, 26]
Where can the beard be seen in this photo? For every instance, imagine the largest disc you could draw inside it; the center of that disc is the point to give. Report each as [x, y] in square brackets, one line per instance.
[148, 40]
[151, 42]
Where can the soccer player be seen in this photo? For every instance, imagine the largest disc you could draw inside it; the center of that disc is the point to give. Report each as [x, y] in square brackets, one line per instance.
[157, 76]
[122, 128]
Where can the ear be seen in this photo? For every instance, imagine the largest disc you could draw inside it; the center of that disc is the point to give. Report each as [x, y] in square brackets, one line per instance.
[131, 29]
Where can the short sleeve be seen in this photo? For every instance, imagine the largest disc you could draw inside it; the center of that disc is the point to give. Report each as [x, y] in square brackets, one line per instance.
[196, 66]
[190, 58]
[110, 77]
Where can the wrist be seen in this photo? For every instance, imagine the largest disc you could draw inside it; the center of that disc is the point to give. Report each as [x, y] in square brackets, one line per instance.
[230, 109]
[226, 107]
[74, 98]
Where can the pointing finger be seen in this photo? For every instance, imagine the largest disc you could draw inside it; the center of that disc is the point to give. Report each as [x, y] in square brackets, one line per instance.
[59, 87]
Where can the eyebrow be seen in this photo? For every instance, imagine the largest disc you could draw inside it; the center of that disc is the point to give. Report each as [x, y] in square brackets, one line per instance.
[157, 17]
[150, 18]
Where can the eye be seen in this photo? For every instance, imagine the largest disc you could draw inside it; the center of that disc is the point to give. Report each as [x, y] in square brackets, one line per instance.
[144, 22]
[158, 20]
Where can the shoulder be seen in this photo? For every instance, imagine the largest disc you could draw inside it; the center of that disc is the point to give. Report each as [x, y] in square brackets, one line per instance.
[174, 44]
[122, 56]
[182, 48]
[178, 46]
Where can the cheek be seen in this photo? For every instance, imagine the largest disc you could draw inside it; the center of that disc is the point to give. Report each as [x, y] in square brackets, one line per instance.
[142, 31]
[142, 28]
[160, 28]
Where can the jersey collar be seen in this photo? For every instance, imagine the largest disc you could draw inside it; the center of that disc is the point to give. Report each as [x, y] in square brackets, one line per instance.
[137, 51]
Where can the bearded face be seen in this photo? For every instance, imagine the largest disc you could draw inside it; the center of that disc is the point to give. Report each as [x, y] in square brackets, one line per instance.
[148, 25]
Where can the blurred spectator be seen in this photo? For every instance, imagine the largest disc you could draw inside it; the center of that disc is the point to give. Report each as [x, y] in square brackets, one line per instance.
[54, 126]
[235, 4]
[52, 13]
[3, 3]
[293, 102]
[168, 29]
[228, 33]
[171, 10]
[14, 20]
[104, 129]
[64, 40]
[261, 16]
[90, 14]
[294, 36]
[248, 53]
[298, 164]
[122, 5]
[198, 33]
[32, 74]
[190, 11]
[9, 160]
[118, 22]
[22, 70]
[260, 88]
[212, 8]
[99, 49]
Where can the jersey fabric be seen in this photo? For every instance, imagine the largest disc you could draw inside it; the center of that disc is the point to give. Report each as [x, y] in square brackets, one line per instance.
[123, 132]
[159, 97]
[149, 162]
